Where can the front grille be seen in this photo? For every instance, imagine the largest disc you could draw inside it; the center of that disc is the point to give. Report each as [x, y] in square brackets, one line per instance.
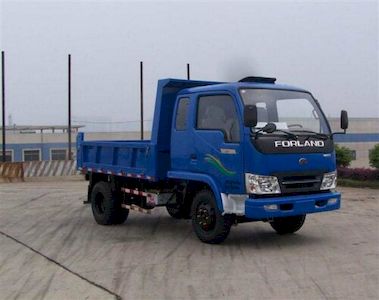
[300, 183]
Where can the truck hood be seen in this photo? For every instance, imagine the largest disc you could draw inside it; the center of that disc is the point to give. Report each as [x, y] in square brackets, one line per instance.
[271, 164]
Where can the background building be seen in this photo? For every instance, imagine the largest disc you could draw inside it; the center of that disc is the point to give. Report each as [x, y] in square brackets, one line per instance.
[361, 137]
[27, 143]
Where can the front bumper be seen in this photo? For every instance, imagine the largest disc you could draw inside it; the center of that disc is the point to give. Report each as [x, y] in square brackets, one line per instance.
[291, 205]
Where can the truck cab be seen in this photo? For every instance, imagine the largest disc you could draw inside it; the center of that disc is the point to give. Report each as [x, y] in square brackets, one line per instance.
[259, 173]
[237, 152]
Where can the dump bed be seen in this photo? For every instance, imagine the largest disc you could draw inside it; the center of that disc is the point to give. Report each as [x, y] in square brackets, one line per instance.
[142, 159]
[122, 158]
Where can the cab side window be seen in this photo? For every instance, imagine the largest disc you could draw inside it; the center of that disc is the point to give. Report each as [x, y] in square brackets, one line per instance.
[182, 114]
[218, 112]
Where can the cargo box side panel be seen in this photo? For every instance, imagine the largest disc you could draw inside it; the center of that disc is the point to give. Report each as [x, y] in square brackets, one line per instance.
[136, 159]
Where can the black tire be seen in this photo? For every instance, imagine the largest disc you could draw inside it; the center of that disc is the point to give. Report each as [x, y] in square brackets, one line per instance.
[106, 208]
[288, 224]
[208, 223]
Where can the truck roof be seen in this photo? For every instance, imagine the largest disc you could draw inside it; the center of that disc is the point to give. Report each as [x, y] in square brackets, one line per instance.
[232, 86]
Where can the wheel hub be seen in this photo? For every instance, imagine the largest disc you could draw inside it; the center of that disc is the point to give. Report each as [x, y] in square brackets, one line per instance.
[205, 217]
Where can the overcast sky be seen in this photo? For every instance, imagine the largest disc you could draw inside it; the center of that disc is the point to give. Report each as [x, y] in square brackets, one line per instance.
[328, 47]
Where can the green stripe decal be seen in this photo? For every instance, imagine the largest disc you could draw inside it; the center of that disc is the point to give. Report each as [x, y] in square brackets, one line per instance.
[214, 161]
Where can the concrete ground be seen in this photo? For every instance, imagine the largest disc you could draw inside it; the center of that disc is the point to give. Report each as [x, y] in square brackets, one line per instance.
[51, 248]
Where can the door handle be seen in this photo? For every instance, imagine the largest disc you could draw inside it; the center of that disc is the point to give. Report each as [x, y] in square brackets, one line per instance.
[193, 156]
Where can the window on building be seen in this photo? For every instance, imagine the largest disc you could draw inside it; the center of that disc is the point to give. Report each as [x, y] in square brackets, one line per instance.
[181, 114]
[353, 154]
[58, 154]
[218, 112]
[8, 155]
[32, 154]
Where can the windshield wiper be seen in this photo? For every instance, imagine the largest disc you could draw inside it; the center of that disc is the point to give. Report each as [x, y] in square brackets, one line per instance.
[322, 136]
[271, 128]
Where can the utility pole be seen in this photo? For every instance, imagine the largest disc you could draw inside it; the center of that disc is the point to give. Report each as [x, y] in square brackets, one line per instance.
[3, 101]
[141, 97]
[188, 72]
[69, 107]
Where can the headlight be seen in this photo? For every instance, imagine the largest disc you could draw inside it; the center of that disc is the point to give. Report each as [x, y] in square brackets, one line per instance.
[259, 184]
[329, 181]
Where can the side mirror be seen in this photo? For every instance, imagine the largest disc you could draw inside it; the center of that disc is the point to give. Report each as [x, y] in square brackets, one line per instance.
[250, 116]
[344, 120]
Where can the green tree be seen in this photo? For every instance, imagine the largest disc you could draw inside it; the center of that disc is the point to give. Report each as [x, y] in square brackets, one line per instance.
[343, 156]
[374, 156]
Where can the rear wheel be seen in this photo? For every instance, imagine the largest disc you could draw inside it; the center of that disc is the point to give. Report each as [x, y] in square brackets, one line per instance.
[208, 223]
[106, 208]
[288, 224]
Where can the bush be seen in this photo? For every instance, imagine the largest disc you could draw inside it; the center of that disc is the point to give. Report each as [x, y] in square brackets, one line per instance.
[358, 173]
[343, 156]
[374, 157]
[373, 184]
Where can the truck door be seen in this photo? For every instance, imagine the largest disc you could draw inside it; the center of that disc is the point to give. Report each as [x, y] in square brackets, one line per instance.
[216, 141]
[180, 136]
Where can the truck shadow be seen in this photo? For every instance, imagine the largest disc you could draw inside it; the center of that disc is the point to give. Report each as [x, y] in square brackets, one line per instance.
[256, 235]
[264, 238]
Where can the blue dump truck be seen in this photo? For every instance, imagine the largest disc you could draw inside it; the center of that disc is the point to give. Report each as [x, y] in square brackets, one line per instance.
[220, 154]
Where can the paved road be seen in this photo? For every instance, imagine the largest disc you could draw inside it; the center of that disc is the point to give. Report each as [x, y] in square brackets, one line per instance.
[51, 248]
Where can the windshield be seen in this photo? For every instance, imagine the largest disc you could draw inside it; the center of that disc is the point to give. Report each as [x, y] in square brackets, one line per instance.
[290, 110]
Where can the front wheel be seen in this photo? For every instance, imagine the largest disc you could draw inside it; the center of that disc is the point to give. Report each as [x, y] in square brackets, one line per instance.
[208, 223]
[287, 225]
